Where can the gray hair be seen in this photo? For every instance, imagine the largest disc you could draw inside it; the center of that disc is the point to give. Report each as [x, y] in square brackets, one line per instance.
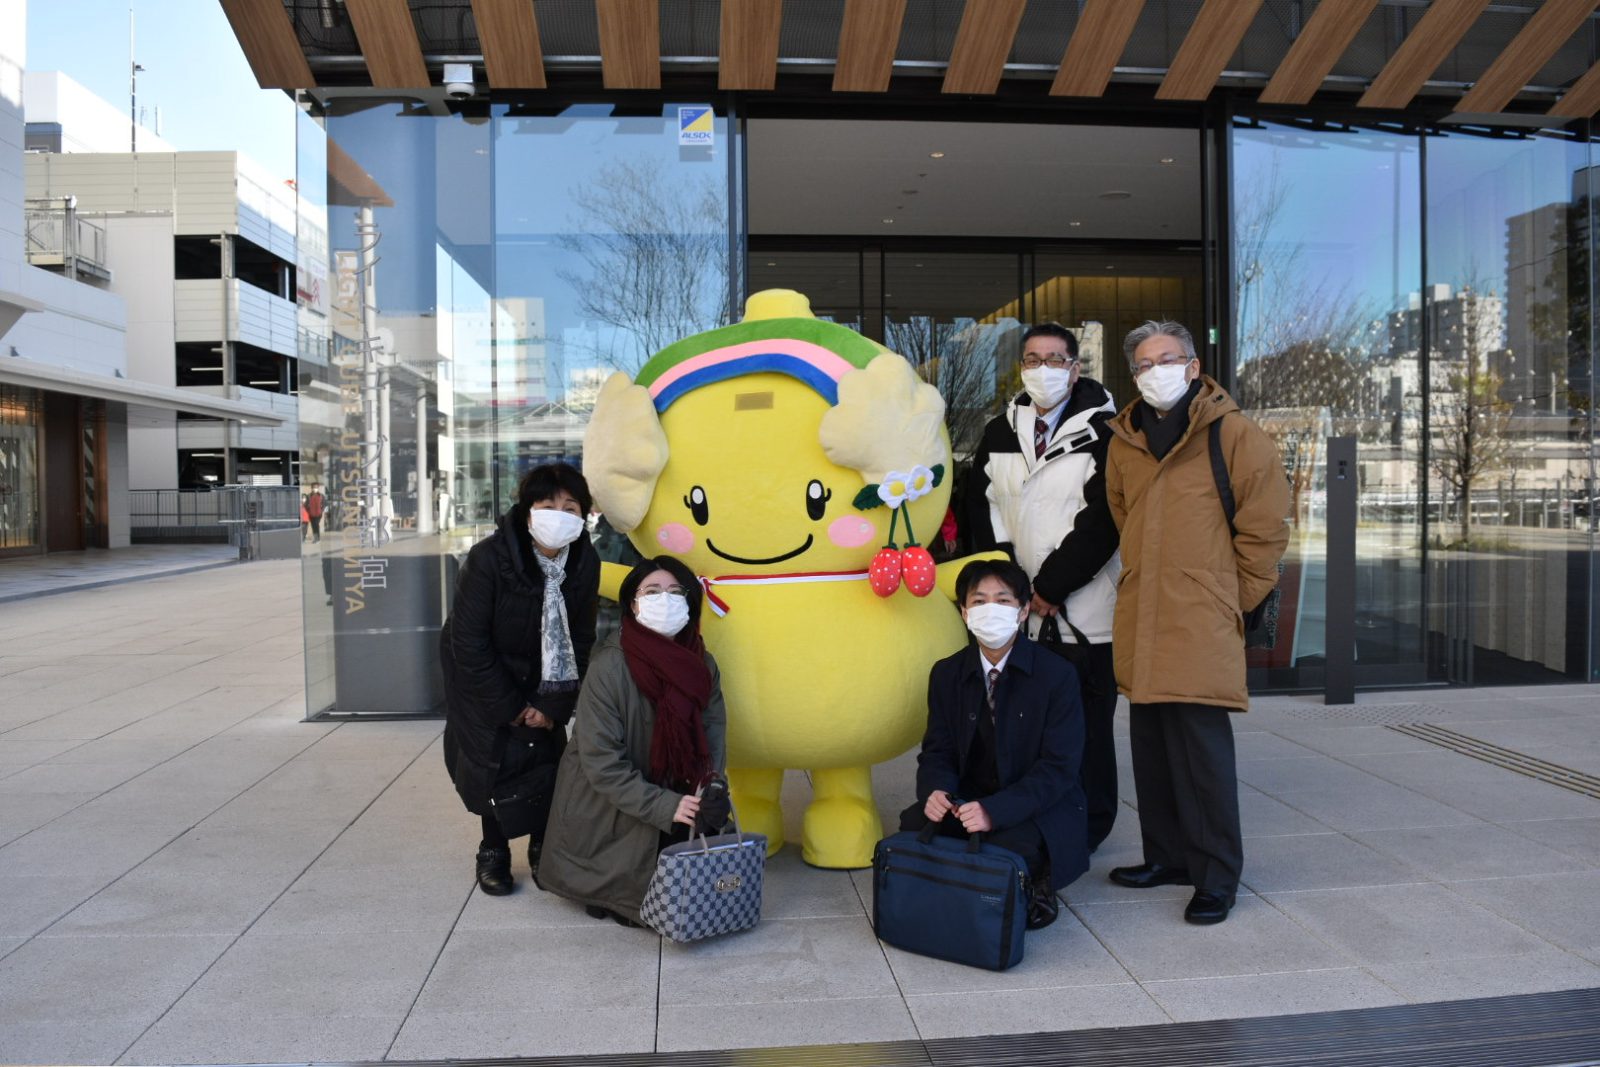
[1140, 334]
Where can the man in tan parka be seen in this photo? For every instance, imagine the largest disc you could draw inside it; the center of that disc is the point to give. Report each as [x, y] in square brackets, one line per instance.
[1178, 635]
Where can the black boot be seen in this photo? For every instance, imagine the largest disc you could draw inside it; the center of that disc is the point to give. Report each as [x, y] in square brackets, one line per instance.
[1043, 907]
[494, 871]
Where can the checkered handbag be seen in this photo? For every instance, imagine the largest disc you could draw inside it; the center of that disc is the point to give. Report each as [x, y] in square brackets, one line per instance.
[706, 887]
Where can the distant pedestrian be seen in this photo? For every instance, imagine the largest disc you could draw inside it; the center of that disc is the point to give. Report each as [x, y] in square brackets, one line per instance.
[650, 732]
[1179, 640]
[514, 650]
[316, 504]
[305, 519]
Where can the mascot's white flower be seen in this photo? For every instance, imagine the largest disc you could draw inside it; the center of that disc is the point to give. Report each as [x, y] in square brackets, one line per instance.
[895, 488]
[920, 482]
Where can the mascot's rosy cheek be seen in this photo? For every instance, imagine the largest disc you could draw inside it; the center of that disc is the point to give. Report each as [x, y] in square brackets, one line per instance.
[675, 537]
[852, 531]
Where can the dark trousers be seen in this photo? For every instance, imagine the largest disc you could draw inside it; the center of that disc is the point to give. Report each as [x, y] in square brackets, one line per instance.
[316, 527]
[1098, 774]
[1188, 788]
[1024, 838]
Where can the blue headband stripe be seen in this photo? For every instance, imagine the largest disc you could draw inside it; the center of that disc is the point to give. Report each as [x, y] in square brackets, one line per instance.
[777, 362]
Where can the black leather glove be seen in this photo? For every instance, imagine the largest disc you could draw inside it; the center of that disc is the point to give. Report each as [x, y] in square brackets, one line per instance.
[715, 808]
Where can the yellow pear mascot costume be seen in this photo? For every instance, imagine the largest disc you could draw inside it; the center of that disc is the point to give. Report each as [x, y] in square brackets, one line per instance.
[778, 458]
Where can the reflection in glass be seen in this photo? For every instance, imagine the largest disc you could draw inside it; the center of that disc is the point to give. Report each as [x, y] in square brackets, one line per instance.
[488, 268]
[1510, 380]
[1326, 345]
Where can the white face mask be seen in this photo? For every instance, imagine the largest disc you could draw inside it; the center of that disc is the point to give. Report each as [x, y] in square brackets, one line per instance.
[994, 624]
[554, 529]
[1047, 386]
[665, 613]
[1163, 386]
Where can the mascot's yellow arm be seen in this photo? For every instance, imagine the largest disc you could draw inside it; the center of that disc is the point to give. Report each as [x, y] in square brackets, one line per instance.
[947, 573]
[611, 575]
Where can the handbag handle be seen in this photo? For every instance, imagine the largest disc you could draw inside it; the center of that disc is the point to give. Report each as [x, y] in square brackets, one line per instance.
[738, 834]
[1055, 629]
[926, 835]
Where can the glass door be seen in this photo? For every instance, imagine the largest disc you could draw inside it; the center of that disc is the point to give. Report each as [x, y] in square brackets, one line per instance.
[1329, 326]
[1511, 380]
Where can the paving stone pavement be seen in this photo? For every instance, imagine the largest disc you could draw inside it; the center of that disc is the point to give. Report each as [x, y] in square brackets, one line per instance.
[189, 873]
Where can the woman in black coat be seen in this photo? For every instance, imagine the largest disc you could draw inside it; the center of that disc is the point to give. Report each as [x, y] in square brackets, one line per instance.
[513, 652]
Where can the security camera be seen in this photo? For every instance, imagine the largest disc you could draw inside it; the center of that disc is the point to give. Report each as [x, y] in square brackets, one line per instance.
[458, 81]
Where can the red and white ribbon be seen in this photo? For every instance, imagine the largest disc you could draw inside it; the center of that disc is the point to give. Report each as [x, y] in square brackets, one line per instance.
[720, 606]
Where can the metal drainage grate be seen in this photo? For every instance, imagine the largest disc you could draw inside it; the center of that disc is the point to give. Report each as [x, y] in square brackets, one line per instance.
[1377, 714]
[1510, 759]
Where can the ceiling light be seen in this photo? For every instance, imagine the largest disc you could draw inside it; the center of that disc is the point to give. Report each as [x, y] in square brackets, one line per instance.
[888, 220]
[1111, 266]
[935, 155]
[1168, 159]
[919, 264]
[770, 263]
[1074, 222]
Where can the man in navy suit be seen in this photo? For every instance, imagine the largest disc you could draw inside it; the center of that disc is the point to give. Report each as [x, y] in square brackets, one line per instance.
[1005, 740]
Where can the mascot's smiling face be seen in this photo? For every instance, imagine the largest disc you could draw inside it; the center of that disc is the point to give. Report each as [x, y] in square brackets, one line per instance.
[743, 450]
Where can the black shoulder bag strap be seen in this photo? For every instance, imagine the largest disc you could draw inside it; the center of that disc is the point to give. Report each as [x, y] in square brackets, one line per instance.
[1256, 616]
[1219, 472]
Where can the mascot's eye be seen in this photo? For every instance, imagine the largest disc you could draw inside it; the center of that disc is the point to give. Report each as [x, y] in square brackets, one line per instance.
[817, 498]
[696, 503]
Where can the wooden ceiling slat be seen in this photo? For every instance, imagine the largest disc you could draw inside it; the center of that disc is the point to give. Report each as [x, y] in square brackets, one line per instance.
[749, 58]
[1098, 42]
[1582, 99]
[268, 39]
[1419, 55]
[869, 35]
[1546, 31]
[630, 43]
[388, 40]
[508, 36]
[978, 59]
[1205, 52]
[1322, 41]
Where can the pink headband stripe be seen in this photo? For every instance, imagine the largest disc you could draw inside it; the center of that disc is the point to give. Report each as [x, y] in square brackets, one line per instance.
[829, 362]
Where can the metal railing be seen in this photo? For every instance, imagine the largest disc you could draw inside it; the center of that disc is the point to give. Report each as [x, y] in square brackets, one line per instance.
[199, 516]
[57, 236]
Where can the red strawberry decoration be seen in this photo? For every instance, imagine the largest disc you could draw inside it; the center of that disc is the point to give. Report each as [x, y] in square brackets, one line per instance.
[884, 574]
[917, 569]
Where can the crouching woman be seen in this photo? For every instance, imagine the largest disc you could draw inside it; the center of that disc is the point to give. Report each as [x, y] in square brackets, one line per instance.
[649, 731]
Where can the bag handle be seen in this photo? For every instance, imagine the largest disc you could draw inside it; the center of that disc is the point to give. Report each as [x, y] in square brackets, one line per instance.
[926, 835]
[705, 845]
[1055, 628]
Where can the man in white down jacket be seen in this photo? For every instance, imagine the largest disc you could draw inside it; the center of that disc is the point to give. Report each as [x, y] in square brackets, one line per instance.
[1037, 490]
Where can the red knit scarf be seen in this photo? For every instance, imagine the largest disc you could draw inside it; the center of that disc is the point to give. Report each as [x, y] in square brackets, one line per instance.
[672, 674]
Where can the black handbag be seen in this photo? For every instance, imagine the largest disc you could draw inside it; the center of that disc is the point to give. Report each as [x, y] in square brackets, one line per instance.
[1050, 637]
[521, 796]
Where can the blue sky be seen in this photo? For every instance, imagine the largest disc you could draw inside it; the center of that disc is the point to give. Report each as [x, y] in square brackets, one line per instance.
[194, 71]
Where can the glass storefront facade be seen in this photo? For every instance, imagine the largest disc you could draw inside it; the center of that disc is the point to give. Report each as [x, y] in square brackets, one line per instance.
[1426, 292]
[471, 275]
[487, 270]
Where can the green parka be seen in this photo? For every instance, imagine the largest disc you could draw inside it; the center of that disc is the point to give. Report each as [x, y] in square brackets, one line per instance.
[1179, 634]
[607, 818]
